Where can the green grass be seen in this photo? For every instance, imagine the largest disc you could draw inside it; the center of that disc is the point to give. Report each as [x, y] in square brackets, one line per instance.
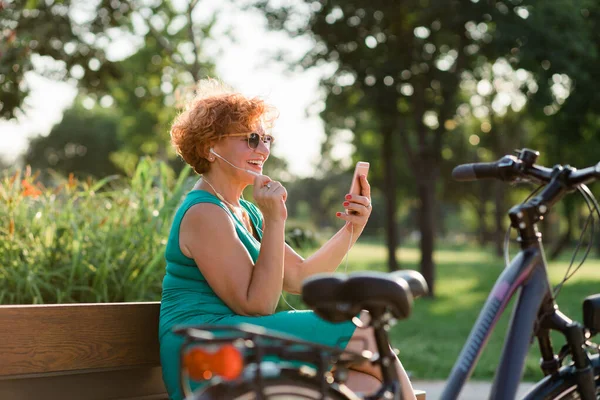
[431, 339]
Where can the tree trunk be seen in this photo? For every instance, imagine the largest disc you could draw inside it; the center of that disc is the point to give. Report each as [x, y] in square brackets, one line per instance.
[482, 232]
[500, 231]
[562, 242]
[389, 189]
[486, 195]
[426, 188]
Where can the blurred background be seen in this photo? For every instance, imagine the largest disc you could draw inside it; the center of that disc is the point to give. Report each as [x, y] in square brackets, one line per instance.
[90, 182]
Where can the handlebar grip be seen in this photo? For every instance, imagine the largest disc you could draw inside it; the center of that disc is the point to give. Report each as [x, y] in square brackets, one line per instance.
[472, 172]
[586, 175]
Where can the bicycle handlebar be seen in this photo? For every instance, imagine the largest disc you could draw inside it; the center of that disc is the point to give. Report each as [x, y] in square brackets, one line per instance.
[585, 175]
[502, 169]
[510, 168]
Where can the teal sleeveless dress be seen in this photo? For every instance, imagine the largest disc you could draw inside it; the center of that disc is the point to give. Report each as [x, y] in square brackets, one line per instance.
[187, 298]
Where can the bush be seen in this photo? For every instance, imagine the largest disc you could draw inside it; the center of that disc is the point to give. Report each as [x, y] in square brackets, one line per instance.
[77, 242]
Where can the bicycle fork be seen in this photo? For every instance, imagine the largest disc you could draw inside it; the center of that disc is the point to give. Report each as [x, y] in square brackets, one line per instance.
[574, 333]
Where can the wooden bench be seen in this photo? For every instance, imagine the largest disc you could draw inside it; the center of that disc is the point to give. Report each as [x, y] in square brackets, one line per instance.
[81, 351]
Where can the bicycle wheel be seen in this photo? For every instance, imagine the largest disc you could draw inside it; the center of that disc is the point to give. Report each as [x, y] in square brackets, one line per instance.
[566, 391]
[563, 386]
[288, 386]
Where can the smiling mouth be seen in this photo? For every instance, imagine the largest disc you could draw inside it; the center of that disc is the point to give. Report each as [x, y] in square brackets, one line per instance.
[257, 164]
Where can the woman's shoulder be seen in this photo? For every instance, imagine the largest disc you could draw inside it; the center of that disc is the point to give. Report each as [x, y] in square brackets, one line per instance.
[202, 201]
[205, 216]
[192, 211]
[199, 195]
[199, 201]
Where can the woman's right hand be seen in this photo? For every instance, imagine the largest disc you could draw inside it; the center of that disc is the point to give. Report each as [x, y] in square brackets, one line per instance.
[270, 197]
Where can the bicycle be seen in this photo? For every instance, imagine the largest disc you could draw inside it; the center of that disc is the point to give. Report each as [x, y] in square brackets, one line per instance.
[389, 297]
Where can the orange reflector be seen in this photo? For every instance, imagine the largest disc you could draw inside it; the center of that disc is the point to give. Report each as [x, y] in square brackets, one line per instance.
[226, 362]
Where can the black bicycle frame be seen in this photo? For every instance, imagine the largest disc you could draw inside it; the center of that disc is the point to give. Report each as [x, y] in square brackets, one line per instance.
[535, 304]
[528, 272]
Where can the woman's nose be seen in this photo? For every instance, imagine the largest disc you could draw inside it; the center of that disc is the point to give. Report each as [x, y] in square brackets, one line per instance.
[263, 148]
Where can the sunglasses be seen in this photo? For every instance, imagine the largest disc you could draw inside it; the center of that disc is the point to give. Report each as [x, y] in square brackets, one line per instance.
[254, 139]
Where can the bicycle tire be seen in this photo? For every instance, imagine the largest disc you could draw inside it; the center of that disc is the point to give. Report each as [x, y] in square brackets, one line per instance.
[562, 385]
[289, 385]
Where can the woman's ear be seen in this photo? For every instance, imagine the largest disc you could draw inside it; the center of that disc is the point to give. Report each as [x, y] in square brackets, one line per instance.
[204, 151]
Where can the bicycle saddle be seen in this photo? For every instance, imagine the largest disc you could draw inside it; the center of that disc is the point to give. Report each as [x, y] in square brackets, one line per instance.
[340, 297]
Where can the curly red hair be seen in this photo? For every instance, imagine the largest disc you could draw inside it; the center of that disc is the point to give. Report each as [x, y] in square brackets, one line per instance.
[212, 114]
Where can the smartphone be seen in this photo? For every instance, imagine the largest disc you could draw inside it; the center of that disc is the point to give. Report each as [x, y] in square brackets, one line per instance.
[362, 168]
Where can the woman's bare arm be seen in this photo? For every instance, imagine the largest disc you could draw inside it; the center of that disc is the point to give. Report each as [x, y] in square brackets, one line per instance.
[332, 253]
[325, 259]
[208, 235]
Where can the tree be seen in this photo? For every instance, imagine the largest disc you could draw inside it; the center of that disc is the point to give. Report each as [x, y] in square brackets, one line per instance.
[74, 37]
[71, 48]
[81, 144]
[494, 119]
[399, 65]
[567, 101]
[158, 76]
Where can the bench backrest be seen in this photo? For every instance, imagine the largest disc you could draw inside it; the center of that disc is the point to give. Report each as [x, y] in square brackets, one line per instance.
[80, 351]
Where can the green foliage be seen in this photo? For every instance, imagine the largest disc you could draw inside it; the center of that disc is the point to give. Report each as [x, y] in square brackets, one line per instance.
[81, 144]
[155, 79]
[396, 86]
[70, 46]
[397, 65]
[86, 241]
[165, 58]
[405, 83]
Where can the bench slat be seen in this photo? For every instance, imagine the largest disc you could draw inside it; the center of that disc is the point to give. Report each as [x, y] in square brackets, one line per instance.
[141, 383]
[64, 337]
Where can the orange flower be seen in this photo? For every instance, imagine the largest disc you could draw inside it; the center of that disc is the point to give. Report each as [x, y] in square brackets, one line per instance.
[72, 181]
[29, 190]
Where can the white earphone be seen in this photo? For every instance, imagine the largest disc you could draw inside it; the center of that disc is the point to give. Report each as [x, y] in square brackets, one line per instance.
[234, 166]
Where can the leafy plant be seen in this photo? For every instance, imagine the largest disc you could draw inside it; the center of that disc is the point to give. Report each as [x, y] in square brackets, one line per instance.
[86, 241]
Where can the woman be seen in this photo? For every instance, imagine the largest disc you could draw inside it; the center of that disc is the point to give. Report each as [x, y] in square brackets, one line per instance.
[227, 261]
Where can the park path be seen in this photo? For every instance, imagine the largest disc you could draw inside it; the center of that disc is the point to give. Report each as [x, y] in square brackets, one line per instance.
[475, 390]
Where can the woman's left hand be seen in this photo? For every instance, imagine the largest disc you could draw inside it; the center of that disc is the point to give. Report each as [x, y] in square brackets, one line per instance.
[358, 206]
